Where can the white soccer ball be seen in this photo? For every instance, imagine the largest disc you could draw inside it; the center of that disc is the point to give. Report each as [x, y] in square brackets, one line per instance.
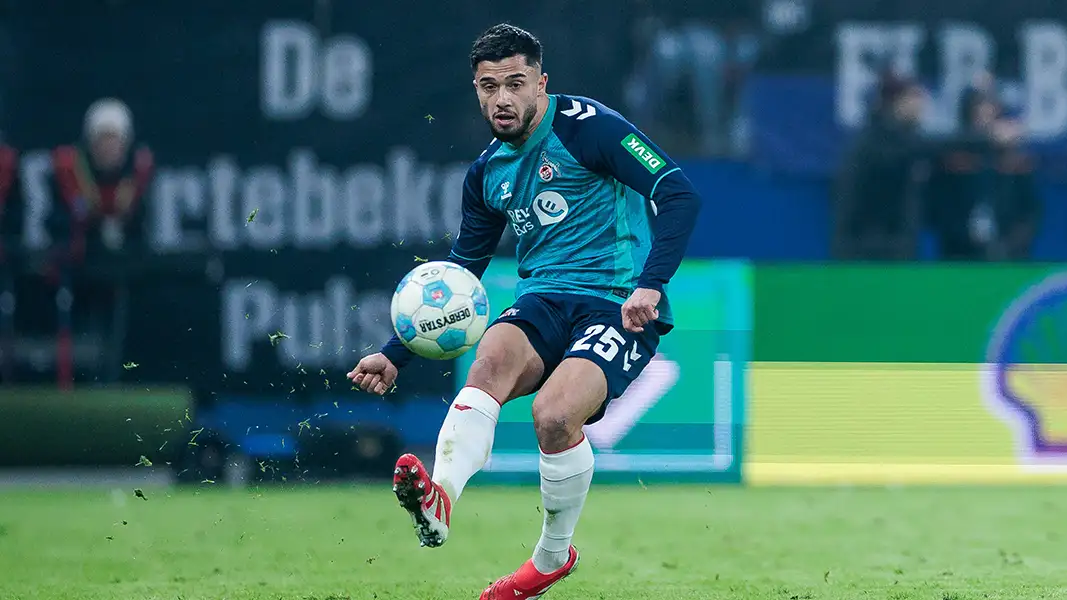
[440, 310]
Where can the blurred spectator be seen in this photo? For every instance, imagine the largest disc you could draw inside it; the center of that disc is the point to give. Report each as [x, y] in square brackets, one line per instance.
[101, 180]
[983, 198]
[878, 200]
[100, 183]
[688, 75]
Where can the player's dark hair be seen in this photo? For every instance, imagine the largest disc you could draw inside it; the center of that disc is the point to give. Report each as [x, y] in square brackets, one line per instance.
[504, 41]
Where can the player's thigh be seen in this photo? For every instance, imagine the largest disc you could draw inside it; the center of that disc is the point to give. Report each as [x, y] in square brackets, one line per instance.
[620, 355]
[506, 363]
[524, 344]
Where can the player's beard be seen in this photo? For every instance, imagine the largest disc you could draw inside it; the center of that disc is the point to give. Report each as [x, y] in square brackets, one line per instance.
[518, 130]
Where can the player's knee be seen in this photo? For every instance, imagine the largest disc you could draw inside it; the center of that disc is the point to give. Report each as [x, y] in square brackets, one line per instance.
[556, 428]
[486, 370]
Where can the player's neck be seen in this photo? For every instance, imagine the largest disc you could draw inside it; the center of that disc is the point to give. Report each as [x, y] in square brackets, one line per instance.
[539, 116]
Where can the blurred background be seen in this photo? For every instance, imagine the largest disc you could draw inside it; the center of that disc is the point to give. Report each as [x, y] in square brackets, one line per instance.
[205, 211]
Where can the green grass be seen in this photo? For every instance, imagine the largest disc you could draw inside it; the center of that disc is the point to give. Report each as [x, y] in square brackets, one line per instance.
[657, 543]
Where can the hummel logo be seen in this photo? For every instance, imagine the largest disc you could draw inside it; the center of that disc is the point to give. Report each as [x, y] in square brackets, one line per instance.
[576, 107]
[505, 194]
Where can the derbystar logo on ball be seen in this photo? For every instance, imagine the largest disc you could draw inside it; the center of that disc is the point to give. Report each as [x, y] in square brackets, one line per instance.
[449, 319]
[440, 310]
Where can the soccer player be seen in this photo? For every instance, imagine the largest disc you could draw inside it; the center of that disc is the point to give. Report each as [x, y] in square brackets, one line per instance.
[602, 217]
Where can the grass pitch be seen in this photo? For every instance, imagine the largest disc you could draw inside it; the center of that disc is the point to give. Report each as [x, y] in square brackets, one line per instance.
[684, 543]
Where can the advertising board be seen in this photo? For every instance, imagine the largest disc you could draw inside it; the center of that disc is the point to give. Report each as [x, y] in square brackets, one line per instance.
[939, 373]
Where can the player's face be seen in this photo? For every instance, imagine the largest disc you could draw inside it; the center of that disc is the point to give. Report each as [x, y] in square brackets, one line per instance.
[508, 91]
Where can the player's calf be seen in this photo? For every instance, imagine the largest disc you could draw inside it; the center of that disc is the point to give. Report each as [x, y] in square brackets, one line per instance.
[503, 369]
[504, 365]
[570, 396]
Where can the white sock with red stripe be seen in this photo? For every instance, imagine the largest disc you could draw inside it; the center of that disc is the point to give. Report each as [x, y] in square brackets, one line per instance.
[565, 480]
[465, 441]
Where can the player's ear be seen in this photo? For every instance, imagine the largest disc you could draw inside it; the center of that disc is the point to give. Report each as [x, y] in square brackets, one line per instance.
[542, 83]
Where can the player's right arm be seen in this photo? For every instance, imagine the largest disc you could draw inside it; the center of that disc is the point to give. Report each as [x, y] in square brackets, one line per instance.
[479, 234]
[482, 227]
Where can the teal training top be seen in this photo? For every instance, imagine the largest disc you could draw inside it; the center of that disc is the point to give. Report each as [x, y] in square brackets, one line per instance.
[598, 209]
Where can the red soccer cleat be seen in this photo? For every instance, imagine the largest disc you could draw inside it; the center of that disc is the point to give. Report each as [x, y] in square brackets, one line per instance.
[528, 583]
[429, 506]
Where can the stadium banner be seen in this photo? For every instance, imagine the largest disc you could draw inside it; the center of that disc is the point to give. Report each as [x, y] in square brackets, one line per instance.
[813, 82]
[940, 373]
[307, 156]
[684, 418]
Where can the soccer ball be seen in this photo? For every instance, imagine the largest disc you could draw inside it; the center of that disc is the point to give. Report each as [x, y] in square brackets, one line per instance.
[440, 310]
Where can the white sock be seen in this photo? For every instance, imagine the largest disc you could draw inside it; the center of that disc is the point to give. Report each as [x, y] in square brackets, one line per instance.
[565, 480]
[465, 441]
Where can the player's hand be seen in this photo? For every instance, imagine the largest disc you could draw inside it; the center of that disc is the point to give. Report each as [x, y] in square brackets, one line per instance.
[375, 374]
[640, 309]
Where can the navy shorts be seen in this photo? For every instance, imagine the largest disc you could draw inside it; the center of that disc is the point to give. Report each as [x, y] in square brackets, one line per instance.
[564, 325]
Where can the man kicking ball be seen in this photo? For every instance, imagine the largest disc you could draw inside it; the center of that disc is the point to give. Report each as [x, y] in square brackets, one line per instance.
[602, 217]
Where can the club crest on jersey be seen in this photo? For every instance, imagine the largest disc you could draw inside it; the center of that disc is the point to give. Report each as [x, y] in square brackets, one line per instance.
[504, 193]
[545, 172]
[548, 169]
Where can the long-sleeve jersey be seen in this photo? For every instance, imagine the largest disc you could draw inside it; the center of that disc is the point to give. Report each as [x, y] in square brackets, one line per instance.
[598, 209]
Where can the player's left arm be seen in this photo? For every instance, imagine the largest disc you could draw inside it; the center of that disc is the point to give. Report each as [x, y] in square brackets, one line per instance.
[614, 146]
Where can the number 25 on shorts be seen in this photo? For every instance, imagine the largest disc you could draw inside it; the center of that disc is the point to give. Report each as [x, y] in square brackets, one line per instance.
[607, 346]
